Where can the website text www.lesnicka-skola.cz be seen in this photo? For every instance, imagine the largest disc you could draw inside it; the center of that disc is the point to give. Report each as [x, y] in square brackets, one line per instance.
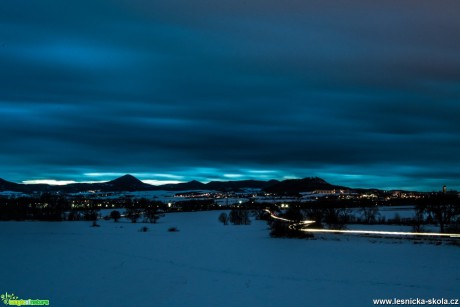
[416, 301]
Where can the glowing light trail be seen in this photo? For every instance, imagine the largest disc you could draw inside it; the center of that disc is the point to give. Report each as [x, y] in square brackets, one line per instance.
[303, 224]
[398, 233]
[293, 225]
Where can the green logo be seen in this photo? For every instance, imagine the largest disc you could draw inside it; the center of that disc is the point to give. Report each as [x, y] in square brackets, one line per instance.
[7, 297]
[12, 300]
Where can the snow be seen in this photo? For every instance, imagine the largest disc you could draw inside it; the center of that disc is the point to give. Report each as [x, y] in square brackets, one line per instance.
[402, 211]
[389, 212]
[209, 264]
[12, 194]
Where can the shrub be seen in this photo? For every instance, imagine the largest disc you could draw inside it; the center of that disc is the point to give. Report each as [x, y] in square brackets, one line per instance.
[95, 224]
[223, 218]
[144, 229]
[132, 214]
[281, 229]
[115, 215]
[151, 214]
[336, 218]
[239, 217]
[370, 214]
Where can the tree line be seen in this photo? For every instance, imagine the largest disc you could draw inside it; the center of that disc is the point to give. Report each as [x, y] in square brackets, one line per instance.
[441, 210]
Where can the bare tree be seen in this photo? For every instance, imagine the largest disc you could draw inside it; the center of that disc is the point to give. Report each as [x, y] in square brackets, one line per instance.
[239, 217]
[115, 215]
[370, 214]
[443, 208]
[418, 222]
[223, 218]
[133, 214]
[151, 214]
[337, 218]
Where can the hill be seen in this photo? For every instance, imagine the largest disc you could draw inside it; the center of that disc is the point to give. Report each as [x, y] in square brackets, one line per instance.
[293, 186]
[10, 186]
[131, 183]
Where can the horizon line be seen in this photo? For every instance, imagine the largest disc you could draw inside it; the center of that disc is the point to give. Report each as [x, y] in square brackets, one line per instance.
[159, 182]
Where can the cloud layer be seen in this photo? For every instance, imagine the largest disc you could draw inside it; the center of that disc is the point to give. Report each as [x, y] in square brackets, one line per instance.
[362, 93]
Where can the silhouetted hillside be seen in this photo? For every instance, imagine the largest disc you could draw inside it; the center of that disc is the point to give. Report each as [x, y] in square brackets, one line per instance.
[131, 183]
[10, 186]
[186, 186]
[239, 185]
[128, 183]
[292, 186]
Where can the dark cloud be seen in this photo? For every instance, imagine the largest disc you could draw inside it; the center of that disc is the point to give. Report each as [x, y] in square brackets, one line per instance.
[361, 93]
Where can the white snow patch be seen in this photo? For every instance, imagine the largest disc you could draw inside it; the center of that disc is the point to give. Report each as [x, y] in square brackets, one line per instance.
[209, 264]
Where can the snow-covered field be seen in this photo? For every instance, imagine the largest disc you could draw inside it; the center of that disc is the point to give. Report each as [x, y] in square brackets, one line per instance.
[208, 264]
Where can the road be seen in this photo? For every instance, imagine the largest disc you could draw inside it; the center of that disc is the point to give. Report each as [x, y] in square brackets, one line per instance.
[303, 226]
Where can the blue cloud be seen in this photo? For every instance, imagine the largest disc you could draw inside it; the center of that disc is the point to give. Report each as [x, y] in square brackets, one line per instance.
[363, 93]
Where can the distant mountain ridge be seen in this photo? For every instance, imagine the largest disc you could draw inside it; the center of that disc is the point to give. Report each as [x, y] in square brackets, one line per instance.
[131, 183]
[292, 186]
[128, 182]
[8, 186]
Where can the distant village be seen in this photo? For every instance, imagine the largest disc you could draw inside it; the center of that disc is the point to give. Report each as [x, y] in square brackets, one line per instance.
[178, 200]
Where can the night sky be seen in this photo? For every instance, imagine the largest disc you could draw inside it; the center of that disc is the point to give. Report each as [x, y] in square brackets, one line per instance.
[361, 93]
